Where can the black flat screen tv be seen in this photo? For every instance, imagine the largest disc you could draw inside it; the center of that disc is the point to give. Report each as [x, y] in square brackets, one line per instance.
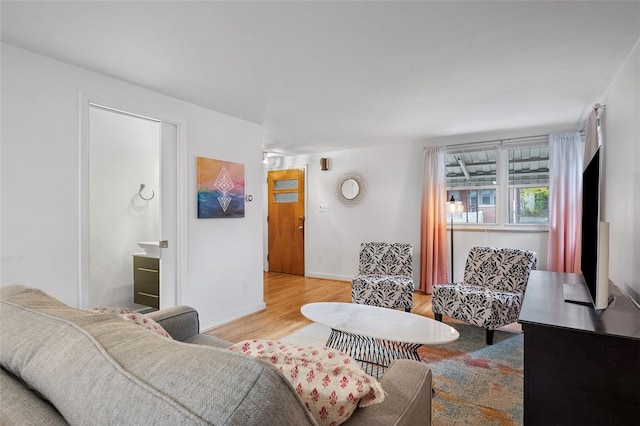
[594, 259]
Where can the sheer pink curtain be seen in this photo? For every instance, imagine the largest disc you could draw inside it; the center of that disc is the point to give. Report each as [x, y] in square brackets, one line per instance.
[565, 199]
[592, 138]
[434, 268]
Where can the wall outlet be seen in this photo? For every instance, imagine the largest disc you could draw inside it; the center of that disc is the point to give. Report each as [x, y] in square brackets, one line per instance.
[245, 285]
[320, 258]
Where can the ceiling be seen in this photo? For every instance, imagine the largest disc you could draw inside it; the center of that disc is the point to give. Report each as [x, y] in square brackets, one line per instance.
[325, 76]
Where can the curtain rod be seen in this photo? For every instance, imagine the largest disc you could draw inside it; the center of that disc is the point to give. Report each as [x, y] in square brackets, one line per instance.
[596, 108]
[499, 140]
[494, 141]
[476, 144]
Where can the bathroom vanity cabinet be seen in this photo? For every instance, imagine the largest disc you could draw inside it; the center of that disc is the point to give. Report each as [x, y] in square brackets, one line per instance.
[146, 281]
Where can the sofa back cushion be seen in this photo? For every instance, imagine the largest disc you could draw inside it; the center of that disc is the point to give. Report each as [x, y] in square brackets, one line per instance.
[503, 269]
[97, 369]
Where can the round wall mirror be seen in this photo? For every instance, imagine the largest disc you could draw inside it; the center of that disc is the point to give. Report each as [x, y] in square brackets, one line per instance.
[350, 188]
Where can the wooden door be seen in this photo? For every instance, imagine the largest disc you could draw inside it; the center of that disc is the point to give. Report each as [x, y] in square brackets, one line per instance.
[286, 221]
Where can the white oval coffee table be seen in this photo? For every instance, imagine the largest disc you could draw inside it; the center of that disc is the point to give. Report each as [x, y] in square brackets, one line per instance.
[377, 336]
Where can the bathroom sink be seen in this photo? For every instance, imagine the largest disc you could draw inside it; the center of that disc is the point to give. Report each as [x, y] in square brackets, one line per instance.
[151, 248]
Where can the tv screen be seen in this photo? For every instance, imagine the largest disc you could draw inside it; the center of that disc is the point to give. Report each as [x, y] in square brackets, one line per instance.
[590, 219]
[595, 236]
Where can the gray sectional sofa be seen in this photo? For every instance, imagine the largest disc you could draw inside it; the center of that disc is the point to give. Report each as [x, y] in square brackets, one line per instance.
[62, 365]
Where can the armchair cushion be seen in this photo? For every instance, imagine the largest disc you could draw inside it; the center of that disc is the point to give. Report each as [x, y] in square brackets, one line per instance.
[479, 306]
[385, 276]
[500, 269]
[385, 259]
[389, 291]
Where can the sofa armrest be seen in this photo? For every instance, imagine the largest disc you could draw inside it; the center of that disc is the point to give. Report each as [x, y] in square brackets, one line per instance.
[407, 385]
[181, 322]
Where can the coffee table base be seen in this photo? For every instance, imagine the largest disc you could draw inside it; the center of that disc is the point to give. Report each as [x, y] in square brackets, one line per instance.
[374, 355]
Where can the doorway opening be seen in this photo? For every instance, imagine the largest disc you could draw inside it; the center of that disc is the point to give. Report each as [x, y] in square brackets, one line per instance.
[124, 178]
[129, 172]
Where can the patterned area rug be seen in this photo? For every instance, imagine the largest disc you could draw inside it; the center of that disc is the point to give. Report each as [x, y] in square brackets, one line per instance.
[474, 384]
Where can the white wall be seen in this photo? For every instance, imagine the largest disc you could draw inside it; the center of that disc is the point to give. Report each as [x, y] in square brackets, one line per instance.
[124, 153]
[41, 186]
[390, 210]
[621, 124]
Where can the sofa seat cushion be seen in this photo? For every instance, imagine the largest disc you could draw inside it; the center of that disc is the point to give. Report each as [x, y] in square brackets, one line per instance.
[330, 383]
[97, 369]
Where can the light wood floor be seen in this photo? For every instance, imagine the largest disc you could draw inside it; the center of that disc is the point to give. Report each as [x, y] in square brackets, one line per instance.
[284, 295]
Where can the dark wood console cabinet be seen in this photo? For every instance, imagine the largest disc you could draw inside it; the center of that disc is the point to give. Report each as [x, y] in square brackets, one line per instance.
[581, 366]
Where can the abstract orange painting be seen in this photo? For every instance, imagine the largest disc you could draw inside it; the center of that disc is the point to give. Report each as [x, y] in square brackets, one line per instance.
[220, 188]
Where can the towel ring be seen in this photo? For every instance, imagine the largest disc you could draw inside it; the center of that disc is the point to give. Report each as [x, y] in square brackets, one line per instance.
[153, 194]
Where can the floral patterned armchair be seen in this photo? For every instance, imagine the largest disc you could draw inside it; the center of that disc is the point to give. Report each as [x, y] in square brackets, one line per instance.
[385, 276]
[492, 291]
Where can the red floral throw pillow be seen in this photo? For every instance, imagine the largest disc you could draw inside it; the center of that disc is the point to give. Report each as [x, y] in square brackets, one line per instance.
[134, 317]
[330, 383]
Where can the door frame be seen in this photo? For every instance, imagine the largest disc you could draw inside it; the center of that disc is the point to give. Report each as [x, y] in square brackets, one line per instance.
[265, 236]
[174, 295]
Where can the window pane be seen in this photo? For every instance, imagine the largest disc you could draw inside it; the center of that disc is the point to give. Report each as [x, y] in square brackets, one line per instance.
[286, 197]
[529, 205]
[529, 166]
[478, 206]
[473, 177]
[477, 168]
[286, 184]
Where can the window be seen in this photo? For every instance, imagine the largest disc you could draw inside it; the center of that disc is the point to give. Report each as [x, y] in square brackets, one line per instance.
[472, 179]
[501, 183]
[529, 185]
[285, 197]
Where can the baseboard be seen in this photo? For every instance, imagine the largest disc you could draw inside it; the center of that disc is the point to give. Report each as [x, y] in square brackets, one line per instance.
[208, 323]
[329, 276]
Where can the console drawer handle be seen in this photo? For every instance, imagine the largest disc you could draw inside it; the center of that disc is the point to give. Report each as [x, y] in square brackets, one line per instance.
[147, 294]
[148, 270]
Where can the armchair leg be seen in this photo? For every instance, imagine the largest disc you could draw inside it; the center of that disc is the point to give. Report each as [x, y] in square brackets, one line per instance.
[438, 317]
[489, 337]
